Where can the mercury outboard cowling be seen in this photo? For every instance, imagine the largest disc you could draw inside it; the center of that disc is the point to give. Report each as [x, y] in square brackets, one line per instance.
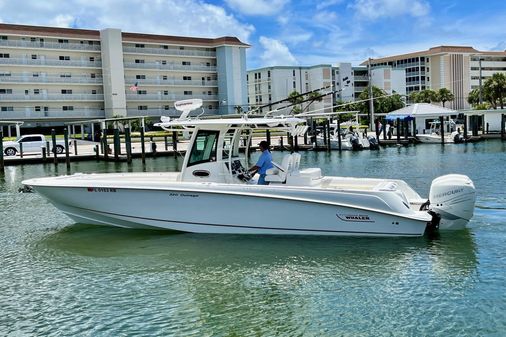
[355, 143]
[373, 143]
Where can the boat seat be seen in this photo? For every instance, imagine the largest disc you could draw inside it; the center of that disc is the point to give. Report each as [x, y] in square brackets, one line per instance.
[278, 173]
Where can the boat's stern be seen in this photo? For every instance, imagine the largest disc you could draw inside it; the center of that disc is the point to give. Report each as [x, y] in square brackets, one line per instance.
[452, 198]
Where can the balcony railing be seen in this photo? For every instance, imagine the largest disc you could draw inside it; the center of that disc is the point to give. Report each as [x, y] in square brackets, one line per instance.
[52, 97]
[172, 52]
[153, 112]
[30, 113]
[170, 97]
[50, 79]
[45, 62]
[169, 66]
[172, 82]
[361, 78]
[49, 45]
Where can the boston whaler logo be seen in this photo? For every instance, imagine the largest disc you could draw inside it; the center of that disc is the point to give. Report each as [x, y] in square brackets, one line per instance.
[355, 217]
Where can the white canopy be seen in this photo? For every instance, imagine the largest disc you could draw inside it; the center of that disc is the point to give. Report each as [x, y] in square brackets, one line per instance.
[420, 110]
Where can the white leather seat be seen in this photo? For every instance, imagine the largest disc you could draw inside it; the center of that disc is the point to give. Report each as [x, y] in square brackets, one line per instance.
[278, 173]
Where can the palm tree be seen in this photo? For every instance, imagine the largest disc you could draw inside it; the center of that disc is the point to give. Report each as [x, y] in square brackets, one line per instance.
[444, 95]
[495, 86]
[295, 98]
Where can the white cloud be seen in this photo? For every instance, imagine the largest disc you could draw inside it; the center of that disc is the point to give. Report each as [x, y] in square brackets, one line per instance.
[257, 7]
[171, 17]
[375, 9]
[275, 53]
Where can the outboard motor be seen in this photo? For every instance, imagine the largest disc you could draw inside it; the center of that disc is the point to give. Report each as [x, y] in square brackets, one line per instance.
[458, 138]
[452, 199]
[373, 143]
[355, 143]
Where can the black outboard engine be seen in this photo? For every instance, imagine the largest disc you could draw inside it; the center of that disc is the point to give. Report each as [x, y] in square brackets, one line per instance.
[458, 138]
[373, 143]
[355, 143]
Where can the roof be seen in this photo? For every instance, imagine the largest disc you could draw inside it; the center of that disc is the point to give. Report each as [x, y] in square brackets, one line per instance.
[253, 122]
[434, 51]
[138, 37]
[420, 110]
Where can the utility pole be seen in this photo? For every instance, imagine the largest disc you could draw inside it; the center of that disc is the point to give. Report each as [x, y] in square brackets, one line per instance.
[371, 100]
[481, 90]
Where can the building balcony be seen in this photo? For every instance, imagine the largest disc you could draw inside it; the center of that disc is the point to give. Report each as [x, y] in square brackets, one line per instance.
[153, 112]
[170, 97]
[170, 52]
[184, 83]
[30, 113]
[50, 63]
[51, 97]
[169, 66]
[49, 45]
[361, 78]
[50, 79]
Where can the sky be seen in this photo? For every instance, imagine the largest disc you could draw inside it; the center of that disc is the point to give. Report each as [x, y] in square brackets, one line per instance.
[287, 32]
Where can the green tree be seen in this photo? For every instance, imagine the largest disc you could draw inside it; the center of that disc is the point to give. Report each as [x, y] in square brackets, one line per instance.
[495, 90]
[444, 95]
[424, 96]
[383, 103]
[296, 99]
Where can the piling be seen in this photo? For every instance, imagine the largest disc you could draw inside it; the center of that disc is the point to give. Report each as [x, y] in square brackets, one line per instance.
[143, 147]
[67, 153]
[43, 150]
[465, 127]
[503, 125]
[281, 143]
[339, 133]
[406, 129]
[487, 127]
[442, 127]
[75, 147]
[128, 145]
[166, 143]
[104, 142]
[20, 150]
[327, 124]
[268, 136]
[117, 144]
[385, 123]
[97, 151]
[305, 137]
[2, 151]
[296, 143]
[48, 149]
[55, 155]
[398, 130]
[174, 142]
[153, 147]
[378, 131]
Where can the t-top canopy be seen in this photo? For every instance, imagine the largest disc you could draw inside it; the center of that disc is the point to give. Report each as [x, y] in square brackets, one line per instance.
[420, 110]
[252, 122]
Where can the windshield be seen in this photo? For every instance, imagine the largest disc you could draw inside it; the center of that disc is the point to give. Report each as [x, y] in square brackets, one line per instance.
[204, 147]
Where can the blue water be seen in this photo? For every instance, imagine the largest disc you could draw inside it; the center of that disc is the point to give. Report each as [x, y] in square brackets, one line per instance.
[62, 279]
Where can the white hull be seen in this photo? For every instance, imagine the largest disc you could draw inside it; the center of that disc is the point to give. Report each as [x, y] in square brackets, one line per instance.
[434, 139]
[230, 209]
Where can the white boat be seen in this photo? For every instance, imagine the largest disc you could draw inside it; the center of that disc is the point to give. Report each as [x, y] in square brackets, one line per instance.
[434, 135]
[351, 139]
[212, 193]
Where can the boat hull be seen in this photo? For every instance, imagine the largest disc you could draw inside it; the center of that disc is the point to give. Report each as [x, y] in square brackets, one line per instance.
[259, 211]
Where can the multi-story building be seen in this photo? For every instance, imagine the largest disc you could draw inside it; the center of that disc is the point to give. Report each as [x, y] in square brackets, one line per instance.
[456, 68]
[272, 84]
[58, 74]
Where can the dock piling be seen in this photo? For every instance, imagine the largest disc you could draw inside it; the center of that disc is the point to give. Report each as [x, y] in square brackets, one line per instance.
[143, 146]
[75, 147]
[174, 142]
[117, 144]
[2, 151]
[398, 130]
[339, 145]
[128, 145]
[166, 143]
[503, 125]
[43, 150]
[268, 136]
[67, 152]
[442, 127]
[104, 142]
[20, 150]
[153, 147]
[53, 138]
[327, 124]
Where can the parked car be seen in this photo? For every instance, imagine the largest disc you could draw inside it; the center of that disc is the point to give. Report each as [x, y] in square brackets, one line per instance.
[31, 143]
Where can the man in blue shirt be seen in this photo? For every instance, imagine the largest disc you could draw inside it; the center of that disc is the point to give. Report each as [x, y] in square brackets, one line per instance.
[263, 164]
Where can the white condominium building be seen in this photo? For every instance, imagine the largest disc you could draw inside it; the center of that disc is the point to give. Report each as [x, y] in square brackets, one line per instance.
[456, 68]
[272, 84]
[49, 75]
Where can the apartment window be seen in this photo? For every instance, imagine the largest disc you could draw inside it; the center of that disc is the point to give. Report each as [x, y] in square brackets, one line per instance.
[259, 75]
[4, 56]
[93, 75]
[166, 107]
[139, 61]
[37, 108]
[247, 78]
[64, 58]
[186, 63]
[188, 92]
[209, 93]
[164, 62]
[67, 108]
[27, 92]
[294, 84]
[139, 45]
[256, 75]
[187, 78]
[268, 73]
[7, 108]
[66, 91]
[3, 37]
[165, 47]
[93, 91]
[5, 74]
[63, 41]
[208, 64]
[140, 77]
[142, 107]
[142, 92]
[165, 92]
[36, 91]
[181, 48]
[164, 77]
[66, 75]
[270, 98]
[34, 57]
[293, 72]
[92, 59]
[35, 75]
[5, 91]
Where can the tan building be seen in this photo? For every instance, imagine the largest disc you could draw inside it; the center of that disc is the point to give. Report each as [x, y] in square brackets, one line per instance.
[52, 74]
[456, 68]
